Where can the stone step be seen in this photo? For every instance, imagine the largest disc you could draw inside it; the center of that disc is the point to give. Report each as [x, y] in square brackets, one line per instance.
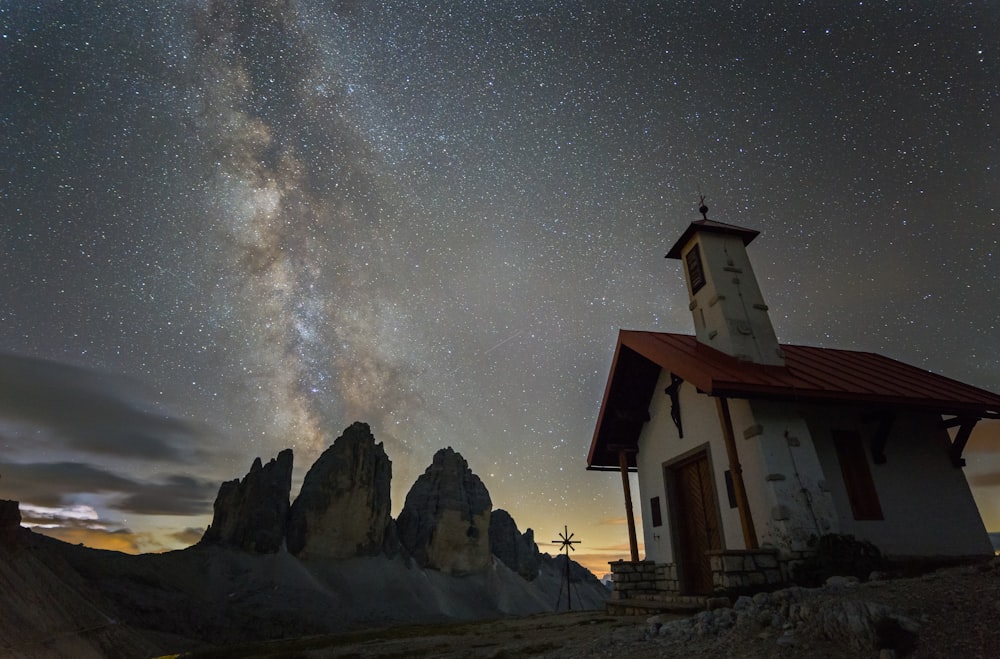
[646, 607]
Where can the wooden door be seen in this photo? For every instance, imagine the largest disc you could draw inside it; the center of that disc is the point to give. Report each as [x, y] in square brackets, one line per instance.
[696, 512]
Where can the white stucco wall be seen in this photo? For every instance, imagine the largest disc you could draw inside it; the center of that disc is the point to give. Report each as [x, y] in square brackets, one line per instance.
[794, 503]
[659, 444]
[783, 476]
[794, 482]
[729, 311]
[926, 502]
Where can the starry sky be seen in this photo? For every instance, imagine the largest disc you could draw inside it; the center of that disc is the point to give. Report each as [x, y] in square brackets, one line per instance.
[227, 228]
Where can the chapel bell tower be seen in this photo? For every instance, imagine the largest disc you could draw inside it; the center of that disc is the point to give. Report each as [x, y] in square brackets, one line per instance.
[728, 309]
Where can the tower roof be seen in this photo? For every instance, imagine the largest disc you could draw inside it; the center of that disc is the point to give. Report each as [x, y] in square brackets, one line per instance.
[710, 226]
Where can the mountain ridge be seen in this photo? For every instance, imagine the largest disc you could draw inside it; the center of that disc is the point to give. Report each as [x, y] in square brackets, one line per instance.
[242, 581]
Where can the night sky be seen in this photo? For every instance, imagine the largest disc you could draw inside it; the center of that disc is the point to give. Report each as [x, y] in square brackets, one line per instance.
[227, 228]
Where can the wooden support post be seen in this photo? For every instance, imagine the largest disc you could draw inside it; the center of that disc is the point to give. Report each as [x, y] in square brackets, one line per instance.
[739, 489]
[633, 543]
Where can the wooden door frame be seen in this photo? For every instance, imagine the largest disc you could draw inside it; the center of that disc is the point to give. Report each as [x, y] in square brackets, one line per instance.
[670, 468]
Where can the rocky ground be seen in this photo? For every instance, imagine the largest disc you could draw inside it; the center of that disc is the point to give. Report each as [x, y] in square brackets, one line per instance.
[950, 613]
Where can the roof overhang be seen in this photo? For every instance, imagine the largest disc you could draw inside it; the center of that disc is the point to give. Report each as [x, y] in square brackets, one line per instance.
[624, 408]
[710, 226]
[810, 375]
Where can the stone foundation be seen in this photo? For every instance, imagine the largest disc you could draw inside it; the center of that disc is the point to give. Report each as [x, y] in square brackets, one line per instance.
[644, 580]
[742, 570]
[734, 572]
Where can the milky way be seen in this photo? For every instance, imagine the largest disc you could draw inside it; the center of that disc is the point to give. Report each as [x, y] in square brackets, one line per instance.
[266, 220]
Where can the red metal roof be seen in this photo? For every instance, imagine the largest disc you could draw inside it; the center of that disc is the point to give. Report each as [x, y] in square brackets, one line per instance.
[819, 375]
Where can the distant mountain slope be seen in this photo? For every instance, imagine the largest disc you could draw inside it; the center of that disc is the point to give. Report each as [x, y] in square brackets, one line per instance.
[216, 596]
[333, 560]
[48, 610]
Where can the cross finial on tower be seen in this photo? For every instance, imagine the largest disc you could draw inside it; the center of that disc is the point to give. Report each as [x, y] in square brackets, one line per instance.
[703, 209]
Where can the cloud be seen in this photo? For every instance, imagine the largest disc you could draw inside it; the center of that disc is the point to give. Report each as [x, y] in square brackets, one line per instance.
[620, 548]
[178, 495]
[188, 536]
[49, 517]
[91, 411]
[56, 484]
[78, 524]
[988, 479]
[985, 437]
[52, 484]
[598, 562]
[121, 540]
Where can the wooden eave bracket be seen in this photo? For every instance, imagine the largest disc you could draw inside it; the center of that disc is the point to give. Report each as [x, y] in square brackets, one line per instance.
[965, 426]
[675, 402]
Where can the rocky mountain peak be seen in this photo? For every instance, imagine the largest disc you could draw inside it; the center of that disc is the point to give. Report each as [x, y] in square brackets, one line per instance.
[250, 514]
[516, 550]
[343, 509]
[445, 520]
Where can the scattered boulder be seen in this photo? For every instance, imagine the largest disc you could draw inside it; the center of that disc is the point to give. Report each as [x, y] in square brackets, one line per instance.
[10, 522]
[250, 514]
[445, 521]
[516, 551]
[343, 509]
[863, 625]
[790, 615]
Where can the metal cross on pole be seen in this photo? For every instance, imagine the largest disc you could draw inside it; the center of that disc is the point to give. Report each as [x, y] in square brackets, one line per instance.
[566, 541]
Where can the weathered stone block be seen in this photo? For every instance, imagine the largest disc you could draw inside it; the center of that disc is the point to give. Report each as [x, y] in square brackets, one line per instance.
[732, 563]
[735, 581]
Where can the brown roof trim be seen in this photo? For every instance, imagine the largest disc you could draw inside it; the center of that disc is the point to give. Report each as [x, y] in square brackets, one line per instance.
[811, 373]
